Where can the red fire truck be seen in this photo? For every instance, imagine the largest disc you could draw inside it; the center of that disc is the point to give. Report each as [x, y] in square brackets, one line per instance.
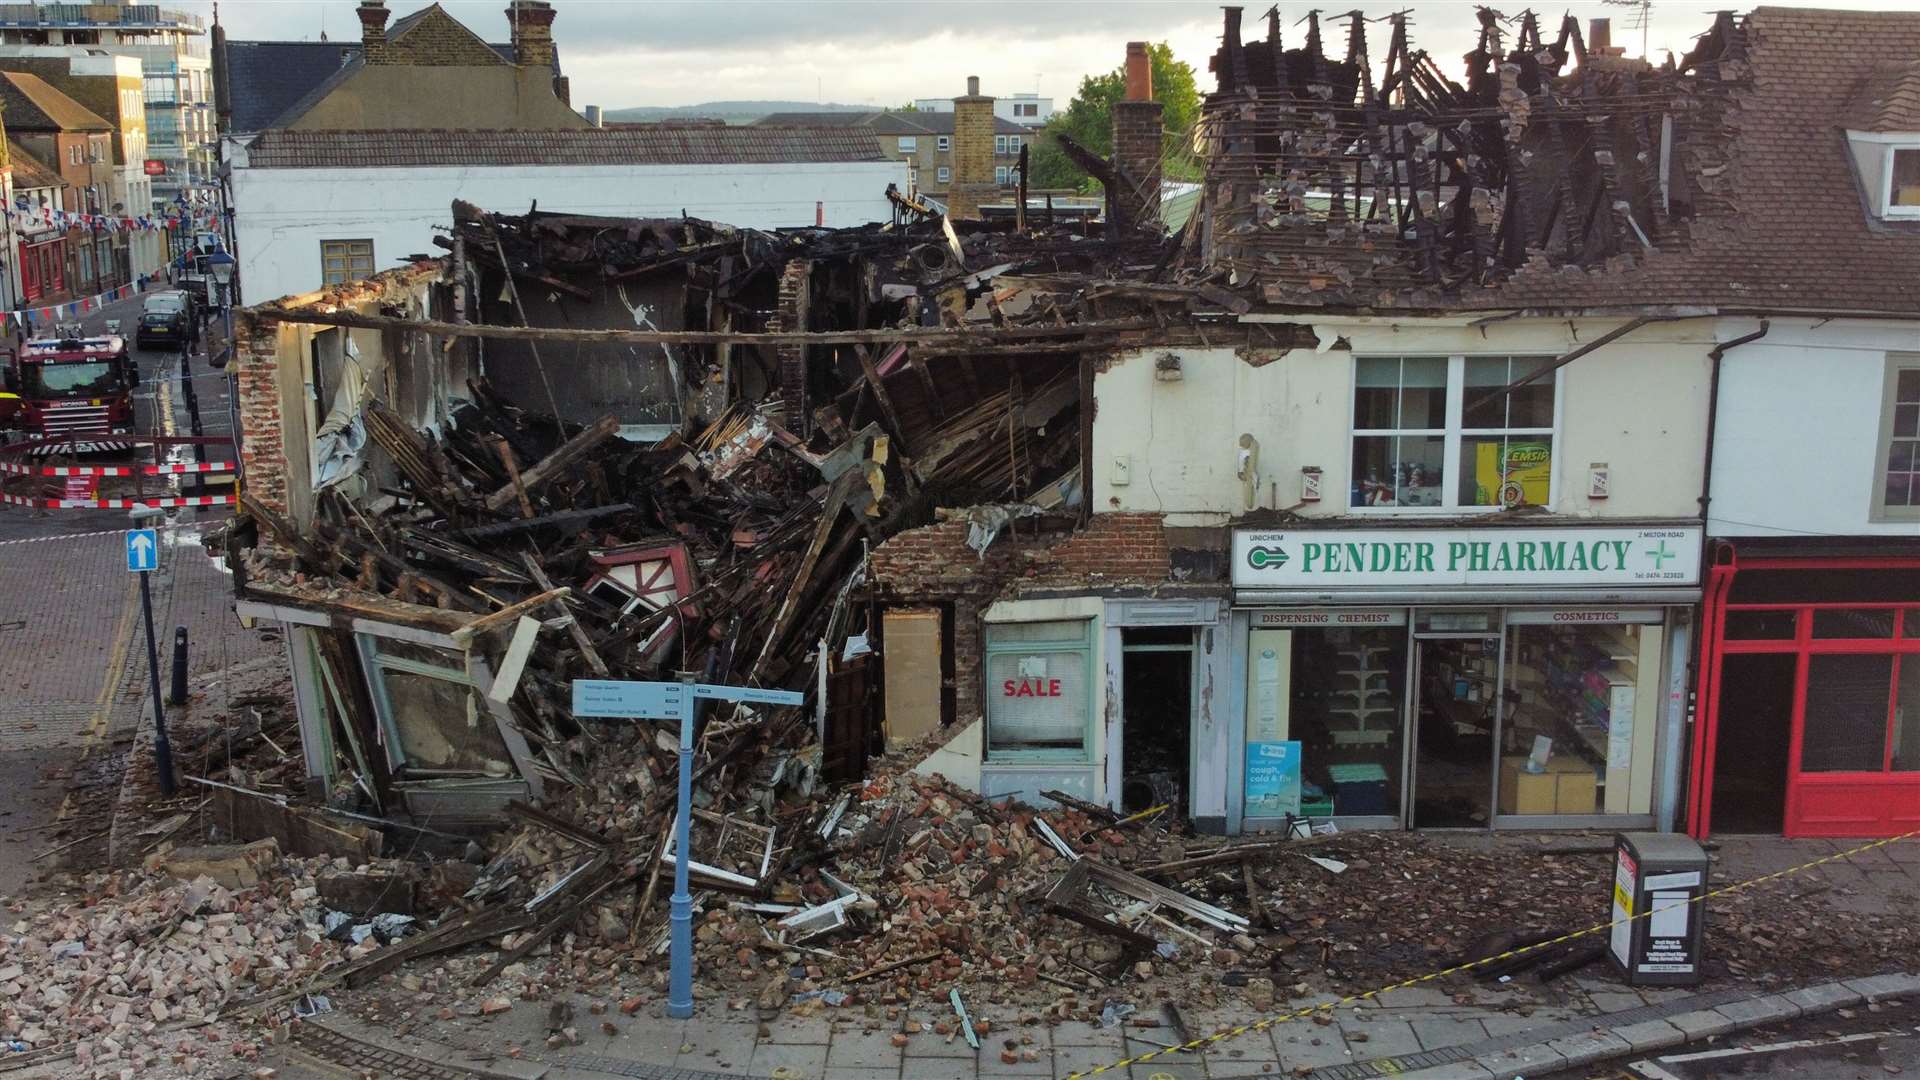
[72, 386]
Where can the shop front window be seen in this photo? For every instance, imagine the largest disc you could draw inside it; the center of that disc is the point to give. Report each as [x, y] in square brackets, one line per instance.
[1038, 677]
[1325, 704]
[1580, 699]
[1848, 703]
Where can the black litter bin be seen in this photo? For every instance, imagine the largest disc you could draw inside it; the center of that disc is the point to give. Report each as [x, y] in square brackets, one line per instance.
[1660, 878]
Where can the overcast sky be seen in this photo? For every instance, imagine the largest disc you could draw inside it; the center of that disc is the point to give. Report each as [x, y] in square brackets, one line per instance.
[622, 53]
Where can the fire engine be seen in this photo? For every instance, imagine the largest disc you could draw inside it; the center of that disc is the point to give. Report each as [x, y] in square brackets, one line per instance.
[71, 386]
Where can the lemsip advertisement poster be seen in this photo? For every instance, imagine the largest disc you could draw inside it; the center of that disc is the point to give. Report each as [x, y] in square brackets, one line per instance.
[1514, 474]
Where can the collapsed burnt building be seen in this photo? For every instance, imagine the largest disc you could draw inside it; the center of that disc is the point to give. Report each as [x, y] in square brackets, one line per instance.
[1334, 182]
[590, 447]
[627, 448]
[1312, 509]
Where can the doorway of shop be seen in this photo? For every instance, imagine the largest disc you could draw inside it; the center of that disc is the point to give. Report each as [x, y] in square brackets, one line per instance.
[1157, 717]
[1457, 680]
[1754, 741]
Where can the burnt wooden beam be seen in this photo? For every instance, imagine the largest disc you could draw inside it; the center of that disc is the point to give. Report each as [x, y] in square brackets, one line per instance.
[358, 320]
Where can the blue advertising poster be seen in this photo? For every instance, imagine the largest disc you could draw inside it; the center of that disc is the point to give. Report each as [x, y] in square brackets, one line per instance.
[1273, 779]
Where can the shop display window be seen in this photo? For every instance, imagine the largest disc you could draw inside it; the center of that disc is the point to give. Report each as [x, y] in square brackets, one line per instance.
[1339, 692]
[1580, 706]
[1038, 678]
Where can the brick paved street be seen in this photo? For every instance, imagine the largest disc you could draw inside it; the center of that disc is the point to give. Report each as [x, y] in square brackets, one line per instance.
[73, 659]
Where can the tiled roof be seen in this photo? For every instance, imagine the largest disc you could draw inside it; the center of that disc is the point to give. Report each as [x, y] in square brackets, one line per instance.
[31, 104]
[1890, 100]
[655, 145]
[266, 79]
[886, 123]
[1798, 235]
[30, 171]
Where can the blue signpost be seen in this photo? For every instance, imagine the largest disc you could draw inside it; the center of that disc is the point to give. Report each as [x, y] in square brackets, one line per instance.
[143, 558]
[621, 699]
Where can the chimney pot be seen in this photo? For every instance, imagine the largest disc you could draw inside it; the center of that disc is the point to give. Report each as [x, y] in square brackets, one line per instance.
[973, 86]
[1139, 72]
[1599, 35]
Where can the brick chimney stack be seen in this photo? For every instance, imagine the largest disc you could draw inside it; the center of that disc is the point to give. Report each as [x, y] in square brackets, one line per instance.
[1137, 131]
[532, 23]
[972, 182]
[373, 31]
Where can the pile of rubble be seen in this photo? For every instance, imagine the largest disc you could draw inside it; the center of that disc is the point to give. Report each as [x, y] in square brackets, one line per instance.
[136, 974]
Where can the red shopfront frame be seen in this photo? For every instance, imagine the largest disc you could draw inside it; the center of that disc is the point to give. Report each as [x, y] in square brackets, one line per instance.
[1818, 804]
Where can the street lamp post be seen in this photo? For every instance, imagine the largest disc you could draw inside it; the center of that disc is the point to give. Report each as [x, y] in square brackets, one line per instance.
[220, 267]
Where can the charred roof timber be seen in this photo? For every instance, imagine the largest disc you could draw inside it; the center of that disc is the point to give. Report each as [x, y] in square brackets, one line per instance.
[1331, 183]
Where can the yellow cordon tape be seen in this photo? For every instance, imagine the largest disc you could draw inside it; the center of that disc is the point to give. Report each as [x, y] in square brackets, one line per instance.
[1329, 1006]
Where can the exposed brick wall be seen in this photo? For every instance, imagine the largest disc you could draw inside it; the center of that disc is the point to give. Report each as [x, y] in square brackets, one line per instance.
[1112, 549]
[933, 564]
[256, 364]
[1137, 128]
[972, 155]
[438, 40]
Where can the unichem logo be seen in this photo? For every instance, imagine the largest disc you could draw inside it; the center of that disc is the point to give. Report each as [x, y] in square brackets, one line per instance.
[1262, 557]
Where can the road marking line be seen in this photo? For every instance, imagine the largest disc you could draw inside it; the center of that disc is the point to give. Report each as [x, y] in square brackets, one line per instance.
[1775, 1048]
[116, 664]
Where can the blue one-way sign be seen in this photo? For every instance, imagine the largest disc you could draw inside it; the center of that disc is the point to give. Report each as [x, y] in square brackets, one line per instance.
[143, 550]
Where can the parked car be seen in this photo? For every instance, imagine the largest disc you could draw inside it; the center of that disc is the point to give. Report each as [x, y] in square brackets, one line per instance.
[166, 319]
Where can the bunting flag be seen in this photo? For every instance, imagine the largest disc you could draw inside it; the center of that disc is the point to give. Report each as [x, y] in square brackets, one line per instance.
[198, 218]
[29, 319]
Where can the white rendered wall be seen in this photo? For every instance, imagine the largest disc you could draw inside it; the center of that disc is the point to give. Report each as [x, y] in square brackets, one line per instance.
[282, 215]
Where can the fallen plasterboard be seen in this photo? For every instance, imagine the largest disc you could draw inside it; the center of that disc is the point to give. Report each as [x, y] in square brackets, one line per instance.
[910, 639]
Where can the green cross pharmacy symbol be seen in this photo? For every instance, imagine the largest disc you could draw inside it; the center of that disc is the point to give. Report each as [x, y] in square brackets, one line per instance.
[1661, 555]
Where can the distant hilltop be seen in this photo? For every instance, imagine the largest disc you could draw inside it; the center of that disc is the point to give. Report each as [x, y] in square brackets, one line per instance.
[733, 112]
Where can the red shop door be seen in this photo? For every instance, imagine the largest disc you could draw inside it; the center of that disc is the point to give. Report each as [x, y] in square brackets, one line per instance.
[1810, 699]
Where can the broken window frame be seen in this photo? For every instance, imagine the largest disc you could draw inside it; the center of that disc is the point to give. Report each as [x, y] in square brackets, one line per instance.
[476, 677]
[1890, 438]
[1080, 644]
[1453, 433]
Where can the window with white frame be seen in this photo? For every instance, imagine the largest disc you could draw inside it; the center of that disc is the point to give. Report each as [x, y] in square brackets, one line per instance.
[944, 143]
[1453, 432]
[999, 144]
[1903, 182]
[1898, 495]
[1002, 175]
[909, 144]
[946, 175]
[345, 260]
[1039, 691]
[1013, 144]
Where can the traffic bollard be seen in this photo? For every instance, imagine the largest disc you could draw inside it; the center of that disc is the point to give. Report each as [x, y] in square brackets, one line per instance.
[179, 694]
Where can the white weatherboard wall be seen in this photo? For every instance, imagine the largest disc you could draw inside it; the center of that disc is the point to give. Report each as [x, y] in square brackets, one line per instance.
[1797, 443]
[282, 215]
[1638, 404]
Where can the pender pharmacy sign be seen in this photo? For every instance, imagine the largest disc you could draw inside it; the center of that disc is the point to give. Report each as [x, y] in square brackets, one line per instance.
[1321, 558]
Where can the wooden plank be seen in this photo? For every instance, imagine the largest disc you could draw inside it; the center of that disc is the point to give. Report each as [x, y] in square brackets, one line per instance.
[563, 456]
[513, 476]
[581, 639]
[487, 623]
[514, 663]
